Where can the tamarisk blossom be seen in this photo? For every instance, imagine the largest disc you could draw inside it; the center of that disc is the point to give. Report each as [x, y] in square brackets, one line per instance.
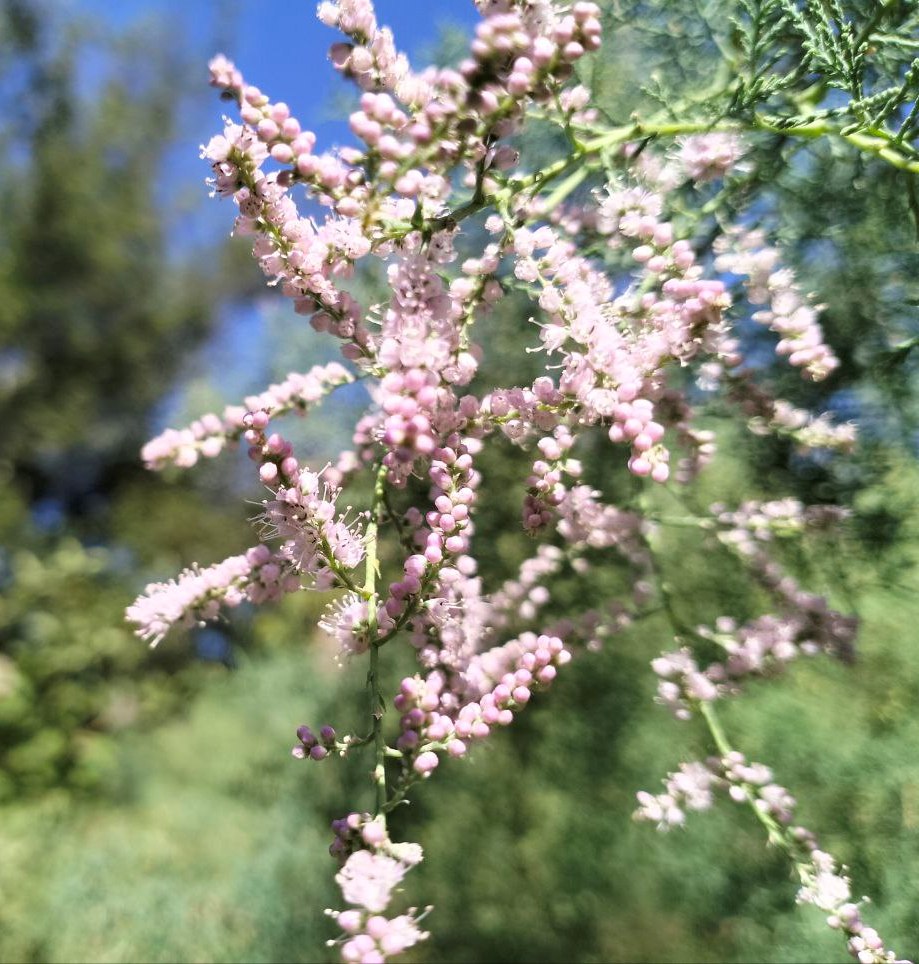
[443, 712]
[789, 314]
[211, 433]
[705, 157]
[823, 883]
[197, 595]
[759, 647]
[314, 538]
[368, 878]
[610, 344]
[615, 348]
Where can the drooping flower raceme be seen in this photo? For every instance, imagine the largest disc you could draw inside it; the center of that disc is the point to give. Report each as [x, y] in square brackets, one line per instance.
[624, 308]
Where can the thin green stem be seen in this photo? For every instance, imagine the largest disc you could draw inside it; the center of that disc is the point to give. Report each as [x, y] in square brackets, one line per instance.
[377, 705]
[776, 833]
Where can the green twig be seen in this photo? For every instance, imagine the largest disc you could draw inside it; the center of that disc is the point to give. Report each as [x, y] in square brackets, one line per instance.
[377, 706]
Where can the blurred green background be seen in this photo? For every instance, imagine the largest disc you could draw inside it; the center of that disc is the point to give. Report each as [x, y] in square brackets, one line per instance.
[149, 809]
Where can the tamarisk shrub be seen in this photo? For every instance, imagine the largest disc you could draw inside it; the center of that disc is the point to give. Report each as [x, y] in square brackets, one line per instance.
[633, 363]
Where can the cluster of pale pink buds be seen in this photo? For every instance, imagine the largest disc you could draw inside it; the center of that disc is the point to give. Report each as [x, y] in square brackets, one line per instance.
[353, 17]
[290, 249]
[368, 878]
[508, 63]
[760, 645]
[276, 129]
[418, 702]
[585, 522]
[372, 868]
[660, 253]
[408, 399]
[210, 434]
[426, 730]
[409, 182]
[314, 747]
[523, 596]
[690, 788]
[303, 259]
[682, 682]
[410, 586]
[789, 314]
[763, 645]
[503, 37]
[754, 782]
[705, 157]
[197, 595]
[827, 887]
[398, 163]
[801, 336]
[634, 422]
[371, 59]
[545, 489]
[630, 211]
[354, 832]
[519, 412]
[274, 454]
[700, 302]
[811, 622]
[755, 521]
[454, 481]
[372, 938]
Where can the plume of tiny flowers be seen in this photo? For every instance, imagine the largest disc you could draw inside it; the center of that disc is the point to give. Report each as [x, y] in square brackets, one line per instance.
[707, 156]
[368, 878]
[823, 883]
[197, 595]
[315, 539]
[788, 312]
[622, 302]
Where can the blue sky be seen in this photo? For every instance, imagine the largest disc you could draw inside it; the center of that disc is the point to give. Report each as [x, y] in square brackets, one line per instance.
[279, 44]
[282, 48]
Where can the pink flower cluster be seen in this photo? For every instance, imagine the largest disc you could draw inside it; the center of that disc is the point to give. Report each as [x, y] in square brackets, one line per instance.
[209, 434]
[368, 878]
[197, 595]
[788, 312]
[437, 716]
[823, 883]
[622, 305]
[705, 157]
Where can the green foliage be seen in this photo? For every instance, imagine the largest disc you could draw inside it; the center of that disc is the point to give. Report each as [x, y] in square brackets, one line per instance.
[97, 317]
[95, 320]
[217, 853]
[214, 857]
[71, 675]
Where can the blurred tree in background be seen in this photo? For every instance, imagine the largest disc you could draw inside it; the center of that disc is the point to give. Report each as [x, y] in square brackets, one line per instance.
[196, 839]
[96, 318]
